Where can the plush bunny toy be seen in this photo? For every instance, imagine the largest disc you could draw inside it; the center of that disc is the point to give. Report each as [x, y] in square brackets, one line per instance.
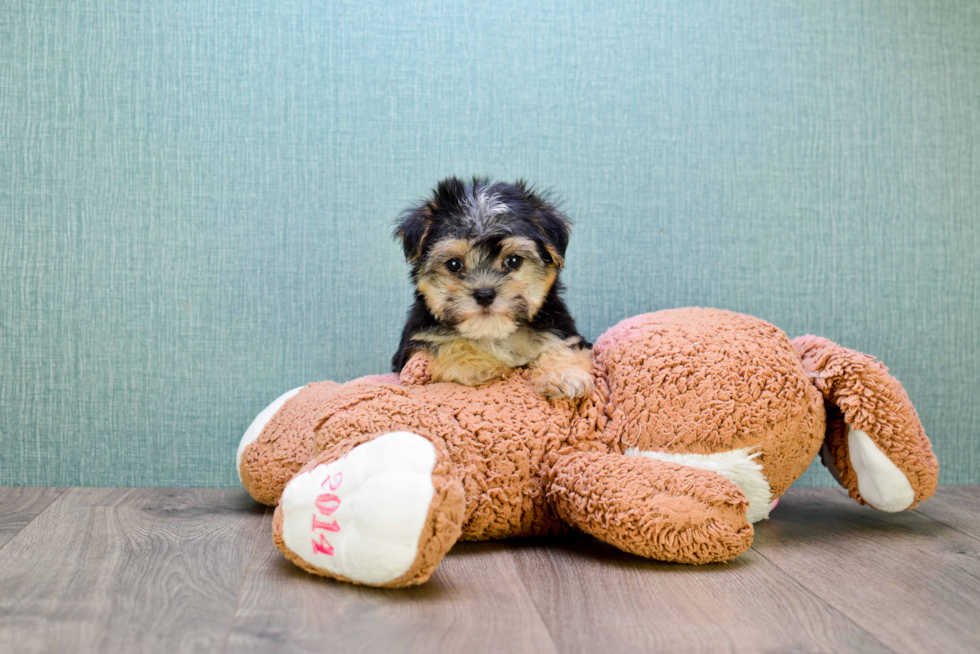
[700, 420]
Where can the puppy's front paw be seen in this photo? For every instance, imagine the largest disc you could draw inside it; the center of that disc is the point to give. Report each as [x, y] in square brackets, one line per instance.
[563, 381]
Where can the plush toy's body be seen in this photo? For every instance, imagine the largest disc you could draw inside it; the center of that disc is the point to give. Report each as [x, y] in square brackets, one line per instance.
[700, 420]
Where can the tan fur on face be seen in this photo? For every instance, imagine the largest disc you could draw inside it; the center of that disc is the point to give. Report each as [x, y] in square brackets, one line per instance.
[533, 279]
[445, 250]
[480, 344]
[520, 293]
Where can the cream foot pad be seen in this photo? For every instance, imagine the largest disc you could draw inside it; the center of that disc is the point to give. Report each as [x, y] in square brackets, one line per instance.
[880, 482]
[361, 517]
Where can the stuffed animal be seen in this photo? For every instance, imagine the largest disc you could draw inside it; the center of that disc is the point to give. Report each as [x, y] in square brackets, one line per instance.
[699, 421]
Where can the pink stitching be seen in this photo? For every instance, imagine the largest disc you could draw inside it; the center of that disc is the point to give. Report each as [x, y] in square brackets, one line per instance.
[334, 482]
[322, 503]
[326, 526]
[327, 504]
[322, 547]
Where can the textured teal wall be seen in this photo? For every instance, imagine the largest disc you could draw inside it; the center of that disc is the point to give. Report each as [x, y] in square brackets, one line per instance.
[195, 197]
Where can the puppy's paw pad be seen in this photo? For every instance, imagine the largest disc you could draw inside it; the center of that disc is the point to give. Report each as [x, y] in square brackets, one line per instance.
[361, 517]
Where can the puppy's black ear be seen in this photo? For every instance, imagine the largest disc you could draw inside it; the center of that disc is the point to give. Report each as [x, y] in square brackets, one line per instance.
[557, 229]
[415, 224]
[412, 229]
[553, 225]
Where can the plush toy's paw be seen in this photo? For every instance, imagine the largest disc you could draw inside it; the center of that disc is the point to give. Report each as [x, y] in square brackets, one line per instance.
[875, 445]
[259, 424]
[279, 441]
[416, 371]
[881, 483]
[383, 515]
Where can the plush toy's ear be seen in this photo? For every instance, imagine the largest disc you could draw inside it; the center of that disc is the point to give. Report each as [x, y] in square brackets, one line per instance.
[875, 445]
[413, 228]
[554, 227]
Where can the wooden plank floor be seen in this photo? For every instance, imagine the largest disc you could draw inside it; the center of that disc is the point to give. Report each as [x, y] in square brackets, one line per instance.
[185, 570]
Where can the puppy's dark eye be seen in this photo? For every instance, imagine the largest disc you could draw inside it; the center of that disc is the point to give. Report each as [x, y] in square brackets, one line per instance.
[454, 265]
[513, 262]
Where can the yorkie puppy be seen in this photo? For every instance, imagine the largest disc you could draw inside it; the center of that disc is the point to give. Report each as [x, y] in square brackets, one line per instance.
[485, 262]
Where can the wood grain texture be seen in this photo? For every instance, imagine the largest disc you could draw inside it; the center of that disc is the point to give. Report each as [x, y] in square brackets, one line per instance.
[21, 504]
[594, 597]
[183, 570]
[117, 570]
[957, 507]
[909, 580]
[475, 602]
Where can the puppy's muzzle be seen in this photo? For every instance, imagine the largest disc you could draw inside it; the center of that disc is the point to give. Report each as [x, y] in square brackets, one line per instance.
[484, 296]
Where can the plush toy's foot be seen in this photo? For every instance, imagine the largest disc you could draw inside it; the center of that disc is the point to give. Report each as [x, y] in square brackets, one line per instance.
[653, 508]
[875, 445]
[384, 513]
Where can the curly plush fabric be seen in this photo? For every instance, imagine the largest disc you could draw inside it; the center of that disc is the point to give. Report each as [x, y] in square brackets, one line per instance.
[497, 436]
[285, 445]
[692, 394]
[704, 381]
[865, 397]
[651, 508]
[442, 523]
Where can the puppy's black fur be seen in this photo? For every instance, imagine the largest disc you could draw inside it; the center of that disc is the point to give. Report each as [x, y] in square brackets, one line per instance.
[480, 216]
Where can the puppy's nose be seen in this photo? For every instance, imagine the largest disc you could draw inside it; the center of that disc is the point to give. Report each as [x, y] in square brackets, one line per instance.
[484, 296]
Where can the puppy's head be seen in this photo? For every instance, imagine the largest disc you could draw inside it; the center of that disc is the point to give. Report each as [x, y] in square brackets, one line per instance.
[484, 256]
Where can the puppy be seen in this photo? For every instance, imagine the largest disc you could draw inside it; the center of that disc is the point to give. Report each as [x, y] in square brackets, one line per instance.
[485, 260]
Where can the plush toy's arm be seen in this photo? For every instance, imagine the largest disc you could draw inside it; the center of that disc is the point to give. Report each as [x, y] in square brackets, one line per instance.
[280, 441]
[875, 445]
[651, 508]
[416, 371]
[281, 438]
